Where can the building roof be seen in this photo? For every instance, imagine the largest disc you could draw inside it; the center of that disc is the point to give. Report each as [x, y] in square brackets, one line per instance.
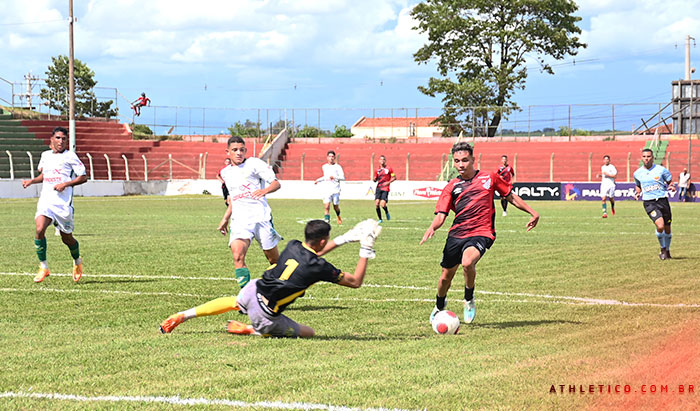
[396, 122]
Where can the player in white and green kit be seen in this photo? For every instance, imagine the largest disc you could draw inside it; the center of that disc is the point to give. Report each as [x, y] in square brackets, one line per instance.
[652, 184]
[608, 173]
[59, 170]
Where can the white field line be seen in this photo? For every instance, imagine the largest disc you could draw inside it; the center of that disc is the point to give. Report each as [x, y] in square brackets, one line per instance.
[177, 400]
[545, 298]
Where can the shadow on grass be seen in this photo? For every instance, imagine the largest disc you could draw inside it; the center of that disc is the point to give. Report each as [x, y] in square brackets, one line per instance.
[513, 324]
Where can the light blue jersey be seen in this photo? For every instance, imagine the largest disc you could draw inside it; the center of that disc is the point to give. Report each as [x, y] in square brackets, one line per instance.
[653, 181]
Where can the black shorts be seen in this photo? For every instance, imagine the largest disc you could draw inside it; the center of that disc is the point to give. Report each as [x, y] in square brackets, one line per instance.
[454, 248]
[381, 195]
[225, 191]
[659, 208]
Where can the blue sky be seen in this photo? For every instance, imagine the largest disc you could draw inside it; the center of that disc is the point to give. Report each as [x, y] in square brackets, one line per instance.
[325, 53]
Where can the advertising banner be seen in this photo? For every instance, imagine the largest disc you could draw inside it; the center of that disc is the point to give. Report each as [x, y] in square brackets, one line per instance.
[537, 191]
[623, 191]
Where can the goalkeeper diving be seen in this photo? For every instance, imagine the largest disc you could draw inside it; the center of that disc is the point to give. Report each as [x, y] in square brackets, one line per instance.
[300, 266]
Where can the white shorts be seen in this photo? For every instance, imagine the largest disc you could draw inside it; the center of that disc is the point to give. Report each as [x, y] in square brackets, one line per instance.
[332, 198]
[263, 232]
[62, 216]
[607, 190]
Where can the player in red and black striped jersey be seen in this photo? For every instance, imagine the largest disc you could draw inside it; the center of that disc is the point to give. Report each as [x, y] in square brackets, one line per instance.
[507, 173]
[384, 177]
[470, 196]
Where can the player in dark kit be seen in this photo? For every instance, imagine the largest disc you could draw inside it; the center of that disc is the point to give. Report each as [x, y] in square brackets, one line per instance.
[384, 177]
[470, 196]
[299, 266]
[507, 173]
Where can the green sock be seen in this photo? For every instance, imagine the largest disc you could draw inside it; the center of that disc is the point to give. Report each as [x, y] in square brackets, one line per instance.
[40, 246]
[74, 250]
[605, 208]
[242, 276]
[327, 217]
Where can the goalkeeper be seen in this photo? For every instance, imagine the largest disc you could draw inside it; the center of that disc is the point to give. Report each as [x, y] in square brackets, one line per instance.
[300, 266]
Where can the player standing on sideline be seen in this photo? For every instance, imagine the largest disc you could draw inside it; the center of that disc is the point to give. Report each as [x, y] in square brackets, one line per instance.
[300, 266]
[248, 181]
[470, 196]
[507, 173]
[59, 170]
[608, 173]
[332, 176]
[384, 177]
[652, 181]
[227, 162]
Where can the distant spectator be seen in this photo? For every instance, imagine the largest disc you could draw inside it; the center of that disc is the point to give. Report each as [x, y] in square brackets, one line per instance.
[142, 101]
[224, 189]
[683, 185]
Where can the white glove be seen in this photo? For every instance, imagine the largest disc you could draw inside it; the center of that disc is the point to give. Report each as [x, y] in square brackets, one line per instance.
[360, 231]
[367, 243]
[367, 253]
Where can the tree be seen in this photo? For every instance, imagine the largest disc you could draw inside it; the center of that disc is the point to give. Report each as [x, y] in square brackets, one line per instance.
[56, 91]
[481, 48]
[247, 129]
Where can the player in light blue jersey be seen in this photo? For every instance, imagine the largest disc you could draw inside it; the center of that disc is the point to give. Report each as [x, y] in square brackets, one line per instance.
[652, 183]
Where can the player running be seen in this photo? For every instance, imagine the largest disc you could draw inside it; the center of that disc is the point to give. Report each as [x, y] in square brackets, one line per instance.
[384, 177]
[248, 181]
[608, 173]
[470, 196]
[332, 176]
[507, 173]
[300, 266]
[59, 171]
[652, 181]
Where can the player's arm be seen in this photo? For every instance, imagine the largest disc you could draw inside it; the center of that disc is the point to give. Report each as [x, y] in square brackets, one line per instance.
[223, 225]
[271, 188]
[221, 180]
[393, 178]
[438, 221]
[74, 182]
[521, 204]
[36, 180]
[637, 189]
[669, 181]
[355, 280]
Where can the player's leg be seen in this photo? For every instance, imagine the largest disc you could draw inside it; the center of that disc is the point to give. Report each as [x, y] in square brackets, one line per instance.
[213, 307]
[327, 211]
[42, 223]
[383, 202]
[612, 205]
[451, 257]
[504, 205]
[336, 208]
[668, 235]
[268, 238]
[661, 236]
[605, 207]
[239, 249]
[74, 248]
[470, 257]
[376, 204]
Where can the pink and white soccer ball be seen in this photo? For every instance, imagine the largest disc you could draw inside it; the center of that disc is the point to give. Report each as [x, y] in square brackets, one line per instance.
[446, 322]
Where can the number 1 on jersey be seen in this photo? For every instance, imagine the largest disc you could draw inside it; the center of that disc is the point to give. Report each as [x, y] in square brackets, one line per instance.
[292, 265]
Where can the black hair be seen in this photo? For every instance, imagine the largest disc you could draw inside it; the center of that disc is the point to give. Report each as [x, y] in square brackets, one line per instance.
[504, 156]
[316, 230]
[606, 156]
[330, 152]
[59, 129]
[649, 150]
[463, 147]
[235, 139]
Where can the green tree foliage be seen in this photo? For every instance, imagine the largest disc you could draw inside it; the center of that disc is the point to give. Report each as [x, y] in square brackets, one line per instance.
[341, 131]
[56, 91]
[246, 129]
[481, 46]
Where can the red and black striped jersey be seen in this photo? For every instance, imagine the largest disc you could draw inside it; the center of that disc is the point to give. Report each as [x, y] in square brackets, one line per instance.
[506, 173]
[472, 203]
[383, 175]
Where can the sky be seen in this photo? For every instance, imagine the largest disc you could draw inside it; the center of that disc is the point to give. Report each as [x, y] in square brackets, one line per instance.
[350, 56]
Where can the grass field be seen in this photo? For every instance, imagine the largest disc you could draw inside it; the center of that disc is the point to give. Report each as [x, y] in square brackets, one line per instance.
[578, 301]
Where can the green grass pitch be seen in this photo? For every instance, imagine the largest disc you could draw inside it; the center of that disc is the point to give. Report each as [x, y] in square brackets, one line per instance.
[579, 300]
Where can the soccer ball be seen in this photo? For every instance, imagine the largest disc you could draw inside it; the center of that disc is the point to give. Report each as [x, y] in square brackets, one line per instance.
[446, 322]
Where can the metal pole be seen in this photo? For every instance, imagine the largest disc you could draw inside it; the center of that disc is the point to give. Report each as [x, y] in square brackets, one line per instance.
[126, 165]
[371, 167]
[629, 159]
[570, 131]
[303, 156]
[145, 167]
[92, 172]
[613, 120]
[528, 123]
[408, 161]
[515, 166]
[71, 80]
[590, 160]
[551, 168]
[31, 164]
[109, 168]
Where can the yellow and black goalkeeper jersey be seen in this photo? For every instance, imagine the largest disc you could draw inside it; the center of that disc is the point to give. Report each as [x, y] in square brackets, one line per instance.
[298, 268]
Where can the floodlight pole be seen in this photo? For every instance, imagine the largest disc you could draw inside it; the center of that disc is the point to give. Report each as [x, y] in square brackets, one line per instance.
[71, 80]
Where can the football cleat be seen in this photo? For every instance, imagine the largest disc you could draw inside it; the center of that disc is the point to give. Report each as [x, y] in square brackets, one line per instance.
[237, 327]
[469, 311]
[432, 314]
[662, 254]
[388, 217]
[613, 210]
[171, 322]
[379, 221]
[505, 214]
[605, 215]
[668, 254]
[77, 272]
[340, 220]
[41, 275]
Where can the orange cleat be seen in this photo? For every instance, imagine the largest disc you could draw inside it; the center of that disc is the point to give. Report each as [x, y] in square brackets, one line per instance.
[237, 327]
[77, 272]
[41, 275]
[605, 215]
[171, 322]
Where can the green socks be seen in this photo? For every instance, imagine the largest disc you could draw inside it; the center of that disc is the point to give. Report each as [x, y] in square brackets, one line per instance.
[75, 250]
[40, 246]
[242, 276]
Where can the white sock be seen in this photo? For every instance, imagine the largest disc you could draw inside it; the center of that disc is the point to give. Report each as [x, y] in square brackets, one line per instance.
[189, 313]
[44, 264]
[78, 261]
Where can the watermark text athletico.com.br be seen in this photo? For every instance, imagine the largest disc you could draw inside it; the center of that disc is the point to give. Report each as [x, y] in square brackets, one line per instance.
[622, 389]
